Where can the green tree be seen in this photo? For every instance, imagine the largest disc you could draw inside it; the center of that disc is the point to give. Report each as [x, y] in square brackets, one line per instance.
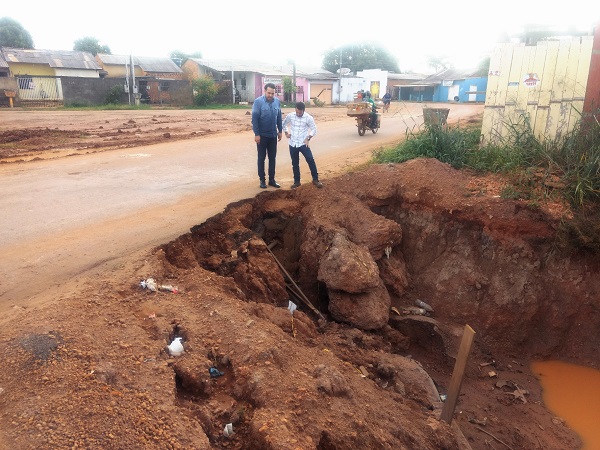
[438, 63]
[205, 90]
[288, 88]
[361, 56]
[12, 34]
[483, 68]
[90, 44]
[180, 57]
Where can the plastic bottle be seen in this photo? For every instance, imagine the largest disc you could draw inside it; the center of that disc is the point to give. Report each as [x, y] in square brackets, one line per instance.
[425, 306]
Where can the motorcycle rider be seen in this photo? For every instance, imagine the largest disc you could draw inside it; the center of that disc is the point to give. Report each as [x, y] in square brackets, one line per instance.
[373, 114]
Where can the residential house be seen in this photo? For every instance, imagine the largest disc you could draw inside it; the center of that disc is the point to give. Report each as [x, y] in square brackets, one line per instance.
[396, 80]
[248, 78]
[38, 72]
[448, 85]
[152, 77]
[4, 71]
[376, 81]
[8, 84]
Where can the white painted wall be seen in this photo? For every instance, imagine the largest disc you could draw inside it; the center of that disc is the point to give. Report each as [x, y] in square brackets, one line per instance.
[349, 87]
[375, 75]
[83, 73]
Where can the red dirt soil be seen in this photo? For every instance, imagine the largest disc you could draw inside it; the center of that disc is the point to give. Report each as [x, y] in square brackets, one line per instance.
[89, 369]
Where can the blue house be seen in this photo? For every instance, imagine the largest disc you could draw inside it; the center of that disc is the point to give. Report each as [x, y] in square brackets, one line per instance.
[453, 85]
[449, 85]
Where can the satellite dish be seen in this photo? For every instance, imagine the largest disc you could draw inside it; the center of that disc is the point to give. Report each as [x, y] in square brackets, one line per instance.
[343, 71]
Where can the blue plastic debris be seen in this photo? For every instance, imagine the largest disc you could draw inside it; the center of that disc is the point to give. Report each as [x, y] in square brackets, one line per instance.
[214, 372]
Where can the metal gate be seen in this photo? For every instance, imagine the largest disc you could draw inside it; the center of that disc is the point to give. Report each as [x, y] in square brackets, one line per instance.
[39, 91]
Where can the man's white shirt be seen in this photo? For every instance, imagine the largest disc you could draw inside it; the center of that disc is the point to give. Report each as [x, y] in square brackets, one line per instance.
[299, 127]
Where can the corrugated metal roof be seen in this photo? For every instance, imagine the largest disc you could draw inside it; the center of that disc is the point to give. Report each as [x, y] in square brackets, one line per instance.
[450, 74]
[53, 58]
[146, 63]
[406, 76]
[238, 65]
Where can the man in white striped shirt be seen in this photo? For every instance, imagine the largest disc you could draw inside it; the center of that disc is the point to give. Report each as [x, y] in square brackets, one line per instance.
[299, 128]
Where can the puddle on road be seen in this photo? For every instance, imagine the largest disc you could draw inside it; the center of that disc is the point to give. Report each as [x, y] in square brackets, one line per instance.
[573, 393]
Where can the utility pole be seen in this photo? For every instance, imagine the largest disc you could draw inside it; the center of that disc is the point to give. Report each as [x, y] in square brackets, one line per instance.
[232, 87]
[340, 78]
[295, 87]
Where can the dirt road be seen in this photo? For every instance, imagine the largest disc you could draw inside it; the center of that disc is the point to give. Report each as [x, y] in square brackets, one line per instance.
[88, 196]
[63, 217]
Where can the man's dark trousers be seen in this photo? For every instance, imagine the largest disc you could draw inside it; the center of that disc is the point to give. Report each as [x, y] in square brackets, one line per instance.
[295, 155]
[266, 147]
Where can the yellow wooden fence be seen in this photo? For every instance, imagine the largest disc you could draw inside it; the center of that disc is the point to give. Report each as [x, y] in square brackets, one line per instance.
[544, 83]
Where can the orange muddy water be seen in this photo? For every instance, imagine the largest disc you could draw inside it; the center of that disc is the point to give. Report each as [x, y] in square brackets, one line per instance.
[573, 393]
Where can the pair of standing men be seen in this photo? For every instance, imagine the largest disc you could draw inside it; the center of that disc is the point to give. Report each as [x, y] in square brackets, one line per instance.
[268, 127]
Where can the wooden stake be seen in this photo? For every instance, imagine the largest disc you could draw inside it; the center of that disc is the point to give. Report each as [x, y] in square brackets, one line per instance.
[457, 374]
[298, 291]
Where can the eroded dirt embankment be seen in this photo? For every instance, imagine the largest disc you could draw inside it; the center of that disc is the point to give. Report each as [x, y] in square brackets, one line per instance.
[363, 376]
[377, 241]
[476, 258]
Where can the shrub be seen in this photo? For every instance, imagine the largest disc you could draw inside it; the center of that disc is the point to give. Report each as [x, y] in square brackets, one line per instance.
[205, 90]
[113, 96]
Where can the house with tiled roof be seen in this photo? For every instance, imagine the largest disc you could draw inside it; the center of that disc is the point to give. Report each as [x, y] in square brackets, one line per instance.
[38, 73]
[154, 77]
[145, 66]
[50, 62]
[249, 77]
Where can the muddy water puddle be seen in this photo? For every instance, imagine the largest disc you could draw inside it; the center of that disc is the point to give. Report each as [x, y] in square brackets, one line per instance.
[573, 393]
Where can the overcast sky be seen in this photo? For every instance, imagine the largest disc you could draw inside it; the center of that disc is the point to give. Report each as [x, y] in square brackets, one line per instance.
[464, 31]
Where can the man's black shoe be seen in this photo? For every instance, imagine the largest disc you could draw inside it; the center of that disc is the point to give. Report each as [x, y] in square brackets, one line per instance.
[274, 184]
[263, 185]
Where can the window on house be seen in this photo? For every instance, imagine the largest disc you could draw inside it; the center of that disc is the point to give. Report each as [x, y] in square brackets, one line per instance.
[164, 86]
[300, 89]
[25, 83]
[278, 89]
[243, 83]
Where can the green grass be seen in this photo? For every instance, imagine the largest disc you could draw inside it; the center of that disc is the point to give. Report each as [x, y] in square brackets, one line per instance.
[536, 168]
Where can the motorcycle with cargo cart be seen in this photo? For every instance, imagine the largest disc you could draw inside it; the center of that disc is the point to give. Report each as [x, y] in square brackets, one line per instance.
[366, 115]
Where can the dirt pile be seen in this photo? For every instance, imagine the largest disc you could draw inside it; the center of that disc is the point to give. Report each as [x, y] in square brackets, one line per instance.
[369, 376]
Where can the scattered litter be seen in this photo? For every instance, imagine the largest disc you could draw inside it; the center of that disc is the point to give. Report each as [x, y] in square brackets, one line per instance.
[149, 284]
[169, 288]
[483, 422]
[517, 392]
[228, 431]
[395, 310]
[176, 347]
[502, 383]
[388, 251]
[363, 371]
[292, 307]
[492, 374]
[425, 306]
[214, 372]
[414, 310]
[485, 364]
[443, 397]
[520, 394]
